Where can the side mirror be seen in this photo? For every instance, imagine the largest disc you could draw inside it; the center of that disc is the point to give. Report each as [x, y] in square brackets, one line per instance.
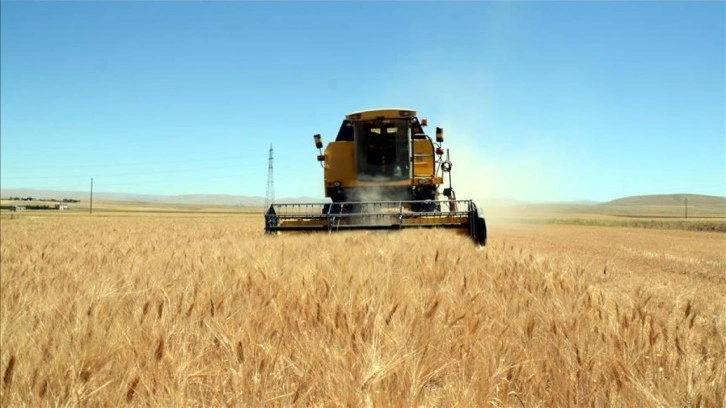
[439, 134]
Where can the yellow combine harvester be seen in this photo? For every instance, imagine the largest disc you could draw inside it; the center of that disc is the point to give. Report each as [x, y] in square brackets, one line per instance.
[382, 172]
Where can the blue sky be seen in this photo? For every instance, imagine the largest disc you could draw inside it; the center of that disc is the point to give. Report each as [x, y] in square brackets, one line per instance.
[540, 101]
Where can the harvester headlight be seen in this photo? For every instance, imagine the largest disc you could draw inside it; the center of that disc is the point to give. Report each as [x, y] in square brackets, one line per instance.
[422, 181]
[337, 184]
[446, 166]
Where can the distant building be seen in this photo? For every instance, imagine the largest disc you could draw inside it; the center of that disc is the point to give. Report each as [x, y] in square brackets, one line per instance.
[19, 208]
[61, 207]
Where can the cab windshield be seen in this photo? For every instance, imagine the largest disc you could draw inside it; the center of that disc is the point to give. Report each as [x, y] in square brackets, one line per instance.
[382, 147]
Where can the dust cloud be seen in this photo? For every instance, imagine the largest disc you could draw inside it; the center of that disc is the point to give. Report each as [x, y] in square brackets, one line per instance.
[374, 195]
[494, 159]
[499, 178]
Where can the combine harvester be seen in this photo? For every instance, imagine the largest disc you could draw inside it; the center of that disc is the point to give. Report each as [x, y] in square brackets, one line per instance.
[382, 172]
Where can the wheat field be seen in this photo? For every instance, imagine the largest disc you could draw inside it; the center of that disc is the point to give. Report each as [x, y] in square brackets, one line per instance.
[205, 310]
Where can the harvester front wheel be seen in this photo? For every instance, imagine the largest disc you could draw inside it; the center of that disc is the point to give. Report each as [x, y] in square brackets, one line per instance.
[480, 231]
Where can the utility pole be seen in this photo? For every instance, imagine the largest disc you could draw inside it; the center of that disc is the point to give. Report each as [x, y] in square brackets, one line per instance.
[90, 208]
[686, 207]
[270, 195]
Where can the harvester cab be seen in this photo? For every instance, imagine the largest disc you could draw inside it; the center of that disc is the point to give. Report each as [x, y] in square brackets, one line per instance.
[382, 172]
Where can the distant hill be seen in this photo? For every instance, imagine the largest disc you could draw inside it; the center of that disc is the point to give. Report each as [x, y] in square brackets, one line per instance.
[196, 199]
[579, 202]
[715, 203]
[671, 199]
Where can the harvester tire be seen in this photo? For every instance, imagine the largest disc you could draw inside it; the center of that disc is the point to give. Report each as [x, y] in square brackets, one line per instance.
[480, 231]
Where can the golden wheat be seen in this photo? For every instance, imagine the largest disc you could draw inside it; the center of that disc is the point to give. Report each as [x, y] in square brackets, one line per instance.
[206, 310]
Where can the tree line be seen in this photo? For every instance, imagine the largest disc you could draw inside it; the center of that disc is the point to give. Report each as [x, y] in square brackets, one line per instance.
[64, 200]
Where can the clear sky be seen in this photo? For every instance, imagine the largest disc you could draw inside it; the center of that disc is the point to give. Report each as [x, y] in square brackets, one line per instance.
[539, 100]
